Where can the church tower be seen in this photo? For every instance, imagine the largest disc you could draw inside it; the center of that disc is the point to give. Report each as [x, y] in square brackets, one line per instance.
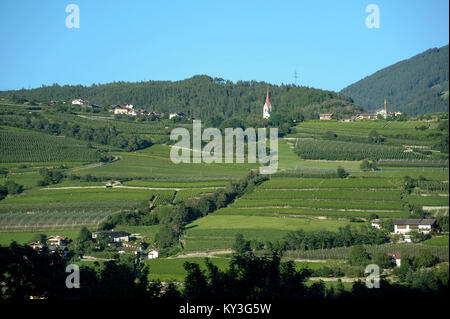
[267, 107]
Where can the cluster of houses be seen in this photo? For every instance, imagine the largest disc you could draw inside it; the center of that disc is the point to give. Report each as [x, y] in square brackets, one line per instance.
[81, 103]
[362, 116]
[129, 109]
[123, 241]
[405, 226]
[54, 244]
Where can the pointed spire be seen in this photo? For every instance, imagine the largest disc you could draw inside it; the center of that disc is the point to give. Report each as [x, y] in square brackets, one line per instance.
[267, 97]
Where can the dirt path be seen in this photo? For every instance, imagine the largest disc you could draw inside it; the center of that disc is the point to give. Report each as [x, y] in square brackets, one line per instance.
[310, 260]
[343, 279]
[87, 166]
[75, 169]
[323, 209]
[205, 254]
[131, 187]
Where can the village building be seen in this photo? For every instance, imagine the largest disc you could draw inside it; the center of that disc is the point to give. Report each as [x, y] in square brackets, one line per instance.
[348, 119]
[129, 249]
[178, 114]
[404, 226]
[375, 223]
[325, 116]
[267, 108]
[35, 245]
[125, 110]
[61, 250]
[56, 240]
[152, 254]
[79, 102]
[114, 236]
[395, 258]
[366, 116]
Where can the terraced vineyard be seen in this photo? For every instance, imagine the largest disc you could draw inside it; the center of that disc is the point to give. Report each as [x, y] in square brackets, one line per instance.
[335, 150]
[38, 220]
[73, 208]
[304, 194]
[21, 145]
[218, 231]
[184, 195]
[335, 183]
[322, 198]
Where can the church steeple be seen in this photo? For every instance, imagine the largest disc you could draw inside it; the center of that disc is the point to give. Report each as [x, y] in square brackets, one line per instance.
[267, 107]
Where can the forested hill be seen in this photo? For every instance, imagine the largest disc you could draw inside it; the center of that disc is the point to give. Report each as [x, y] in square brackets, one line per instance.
[415, 86]
[201, 97]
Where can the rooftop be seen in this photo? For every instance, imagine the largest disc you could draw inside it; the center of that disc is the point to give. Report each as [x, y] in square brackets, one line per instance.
[416, 221]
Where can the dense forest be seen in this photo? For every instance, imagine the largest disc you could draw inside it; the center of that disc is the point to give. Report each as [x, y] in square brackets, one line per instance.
[415, 86]
[200, 97]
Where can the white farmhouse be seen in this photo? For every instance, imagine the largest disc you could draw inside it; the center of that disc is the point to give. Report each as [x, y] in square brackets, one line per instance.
[375, 223]
[152, 254]
[179, 114]
[79, 102]
[404, 226]
[114, 236]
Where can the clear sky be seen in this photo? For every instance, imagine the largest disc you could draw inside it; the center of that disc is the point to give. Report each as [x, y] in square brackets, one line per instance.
[326, 42]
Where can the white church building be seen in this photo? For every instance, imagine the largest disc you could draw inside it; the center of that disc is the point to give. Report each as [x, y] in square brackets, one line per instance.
[267, 107]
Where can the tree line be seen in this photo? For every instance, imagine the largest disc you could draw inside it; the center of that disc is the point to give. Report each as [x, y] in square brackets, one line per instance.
[210, 99]
[25, 272]
[106, 135]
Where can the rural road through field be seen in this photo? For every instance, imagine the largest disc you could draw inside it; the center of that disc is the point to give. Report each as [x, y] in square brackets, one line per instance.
[131, 187]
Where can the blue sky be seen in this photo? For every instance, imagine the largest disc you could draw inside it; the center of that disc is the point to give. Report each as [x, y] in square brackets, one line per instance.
[326, 42]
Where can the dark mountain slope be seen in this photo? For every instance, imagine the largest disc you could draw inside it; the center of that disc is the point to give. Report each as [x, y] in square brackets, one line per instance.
[415, 86]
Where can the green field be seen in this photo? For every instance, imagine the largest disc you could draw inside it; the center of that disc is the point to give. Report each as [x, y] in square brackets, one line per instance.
[73, 208]
[19, 145]
[218, 231]
[172, 269]
[437, 241]
[338, 183]
[304, 194]
[155, 163]
[26, 237]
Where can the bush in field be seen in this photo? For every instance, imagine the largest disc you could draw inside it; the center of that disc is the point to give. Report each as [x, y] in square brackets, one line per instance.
[358, 256]
[241, 246]
[368, 166]
[375, 138]
[330, 135]
[3, 192]
[424, 259]
[417, 236]
[50, 176]
[341, 173]
[13, 188]
[382, 260]
[442, 223]
[388, 225]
